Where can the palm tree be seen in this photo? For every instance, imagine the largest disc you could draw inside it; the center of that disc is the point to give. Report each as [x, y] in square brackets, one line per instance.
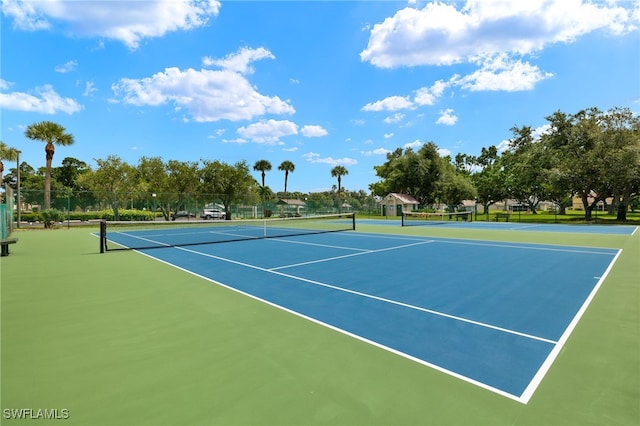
[6, 153]
[53, 134]
[339, 171]
[288, 167]
[263, 166]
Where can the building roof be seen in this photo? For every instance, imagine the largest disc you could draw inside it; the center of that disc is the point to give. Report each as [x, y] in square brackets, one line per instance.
[291, 202]
[403, 198]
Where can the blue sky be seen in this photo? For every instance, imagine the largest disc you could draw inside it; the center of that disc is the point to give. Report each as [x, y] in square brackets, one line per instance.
[316, 83]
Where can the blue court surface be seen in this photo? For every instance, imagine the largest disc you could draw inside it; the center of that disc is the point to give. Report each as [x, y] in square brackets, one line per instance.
[518, 226]
[493, 314]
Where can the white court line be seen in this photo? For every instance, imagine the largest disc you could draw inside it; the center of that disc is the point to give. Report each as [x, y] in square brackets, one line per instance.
[523, 227]
[526, 246]
[345, 332]
[370, 296]
[521, 246]
[149, 240]
[533, 384]
[453, 240]
[328, 259]
[141, 238]
[305, 243]
[546, 365]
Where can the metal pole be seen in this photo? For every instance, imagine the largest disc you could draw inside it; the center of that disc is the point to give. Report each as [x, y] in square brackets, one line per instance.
[68, 209]
[18, 188]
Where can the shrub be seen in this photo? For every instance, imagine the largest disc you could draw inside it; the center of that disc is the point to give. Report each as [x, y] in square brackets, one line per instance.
[127, 215]
[51, 216]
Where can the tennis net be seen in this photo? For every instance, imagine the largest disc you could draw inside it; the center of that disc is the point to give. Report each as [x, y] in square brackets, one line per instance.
[419, 218]
[148, 235]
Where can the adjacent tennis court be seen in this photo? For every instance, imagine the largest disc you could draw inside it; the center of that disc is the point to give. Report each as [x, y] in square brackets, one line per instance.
[435, 301]
[454, 221]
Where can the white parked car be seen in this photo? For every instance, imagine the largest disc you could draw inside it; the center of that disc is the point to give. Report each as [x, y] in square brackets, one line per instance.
[212, 214]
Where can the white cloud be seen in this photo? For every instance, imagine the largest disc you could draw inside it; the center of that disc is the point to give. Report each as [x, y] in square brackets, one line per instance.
[429, 95]
[206, 95]
[26, 15]
[45, 100]
[217, 134]
[500, 73]
[292, 149]
[238, 141]
[415, 145]
[443, 152]
[447, 117]
[89, 88]
[377, 151]
[268, 131]
[395, 118]
[388, 135]
[66, 67]
[441, 34]
[126, 21]
[315, 158]
[503, 146]
[313, 131]
[422, 96]
[538, 132]
[392, 103]
[239, 61]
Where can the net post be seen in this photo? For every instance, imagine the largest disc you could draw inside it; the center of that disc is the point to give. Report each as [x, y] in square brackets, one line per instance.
[402, 223]
[353, 219]
[103, 236]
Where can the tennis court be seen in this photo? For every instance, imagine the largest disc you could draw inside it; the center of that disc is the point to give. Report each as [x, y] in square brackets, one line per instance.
[384, 325]
[435, 301]
[516, 226]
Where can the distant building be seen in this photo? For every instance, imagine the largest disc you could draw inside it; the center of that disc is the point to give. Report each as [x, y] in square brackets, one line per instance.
[394, 204]
[291, 207]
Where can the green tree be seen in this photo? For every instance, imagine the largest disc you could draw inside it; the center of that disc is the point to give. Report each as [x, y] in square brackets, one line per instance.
[110, 181]
[287, 167]
[263, 166]
[415, 173]
[621, 157]
[232, 182]
[402, 173]
[489, 179]
[68, 172]
[31, 184]
[454, 187]
[184, 180]
[526, 163]
[319, 201]
[171, 186]
[67, 176]
[338, 172]
[574, 139]
[153, 181]
[6, 153]
[53, 134]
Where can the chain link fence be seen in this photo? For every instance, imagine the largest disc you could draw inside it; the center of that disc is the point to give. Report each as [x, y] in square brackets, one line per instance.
[67, 205]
